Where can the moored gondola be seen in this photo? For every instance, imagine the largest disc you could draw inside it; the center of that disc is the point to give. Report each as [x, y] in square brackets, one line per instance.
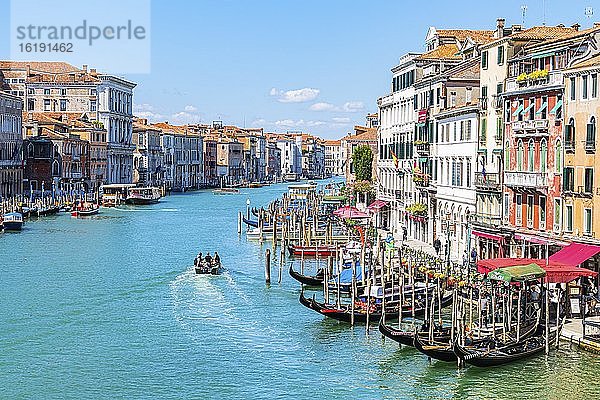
[308, 280]
[312, 251]
[490, 357]
[407, 338]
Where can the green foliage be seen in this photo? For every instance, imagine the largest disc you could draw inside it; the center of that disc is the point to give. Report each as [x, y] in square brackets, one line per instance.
[362, 160]
[362, 187]
[535, 75]
[419, 209]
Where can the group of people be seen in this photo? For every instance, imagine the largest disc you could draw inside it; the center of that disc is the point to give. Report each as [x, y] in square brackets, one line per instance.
[208, 259]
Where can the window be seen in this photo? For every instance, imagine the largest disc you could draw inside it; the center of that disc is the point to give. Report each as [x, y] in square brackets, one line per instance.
[569, 179]
[468, 173]
[558, 107]
[454, 130]
[519, 210]
[572, 87]
[557, 214]
[30, 104]
[484, 59]
[468, 130]
[530, 156]
[30, 91]
[543, 155]
[520, 156]
[543, 108]
[499, 129]
[63, 92]
[46, 105]
[542, 212]
[63, 105]
[462, 130]
[558, 156]
[484, 93]
[530, 211]
[531, 108]
[468, 95]
[590, 137]
[499, 88]
[570, 135]
[588, 181]
[452, 99]
[500, 55]
[483, 135]
[506, 155]
[506, 206]
[594, 86]
[584, 87]
[569, 217]
[587, 221]
[46, 91]
[520, 110]
[93, 105]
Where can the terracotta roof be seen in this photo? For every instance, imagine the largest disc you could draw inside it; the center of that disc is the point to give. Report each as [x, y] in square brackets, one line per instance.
[569, 35]
[444, 51]
[40, 66]
[462, 34]
[542, 32]
[590, 62]
[333, 142]
[362, 134]
[73, 77]
[165, 126]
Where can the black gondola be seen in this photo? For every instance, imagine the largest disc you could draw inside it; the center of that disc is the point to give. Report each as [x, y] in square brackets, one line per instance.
[249, 222]
[316, 280]
[407, 338]
[490, 357]
[344, 313]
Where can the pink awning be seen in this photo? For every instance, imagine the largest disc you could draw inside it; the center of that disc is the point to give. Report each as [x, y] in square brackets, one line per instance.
[350, 212]
[555, 272]
[574, 254]
[539, 240]
[488, 265]
[487, 235]
[377, 205]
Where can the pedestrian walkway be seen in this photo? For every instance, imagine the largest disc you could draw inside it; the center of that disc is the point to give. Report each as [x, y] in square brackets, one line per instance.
[572, 331]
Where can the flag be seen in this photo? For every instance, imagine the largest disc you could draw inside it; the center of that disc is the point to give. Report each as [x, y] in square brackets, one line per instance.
[394, 156]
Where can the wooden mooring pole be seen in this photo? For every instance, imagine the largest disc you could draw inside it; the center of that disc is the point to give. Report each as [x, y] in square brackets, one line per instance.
[268, 267]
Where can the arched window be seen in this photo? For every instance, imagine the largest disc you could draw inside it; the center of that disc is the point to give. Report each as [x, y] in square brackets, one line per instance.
[520, 156]
[530, 155]
[570, 135]
[558, 156]
[590, 136]
[543, 155]
[506, 154]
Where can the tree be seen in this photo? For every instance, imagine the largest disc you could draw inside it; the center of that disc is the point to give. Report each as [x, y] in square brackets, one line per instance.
[362, 161]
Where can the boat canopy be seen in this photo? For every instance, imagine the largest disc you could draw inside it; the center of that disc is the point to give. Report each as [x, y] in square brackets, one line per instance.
[517, 273]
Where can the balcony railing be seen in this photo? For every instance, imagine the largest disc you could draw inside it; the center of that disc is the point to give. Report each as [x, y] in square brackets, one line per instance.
[535, 125]
[553, 78]
[570, 146]
[421, 181]
[423, 149]
[483, 103]
[489, 181]
[487, 219]
[525, 179]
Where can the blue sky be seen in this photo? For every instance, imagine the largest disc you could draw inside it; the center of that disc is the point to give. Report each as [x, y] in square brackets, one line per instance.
[315, 66]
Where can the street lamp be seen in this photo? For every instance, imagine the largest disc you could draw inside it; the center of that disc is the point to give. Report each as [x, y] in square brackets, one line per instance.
[248, 209]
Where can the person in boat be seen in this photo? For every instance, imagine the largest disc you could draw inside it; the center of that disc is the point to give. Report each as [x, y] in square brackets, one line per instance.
[217, 258]
[208, 259]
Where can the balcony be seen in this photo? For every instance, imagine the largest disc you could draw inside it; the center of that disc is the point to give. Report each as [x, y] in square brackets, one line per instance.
[525, 179]
[421, 181]
[554, 78]
[534, 127]
[497, 102]
[489, 181]
[423, 148]
[483, 103]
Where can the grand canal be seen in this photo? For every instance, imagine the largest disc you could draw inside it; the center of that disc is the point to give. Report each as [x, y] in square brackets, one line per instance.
[109, 307]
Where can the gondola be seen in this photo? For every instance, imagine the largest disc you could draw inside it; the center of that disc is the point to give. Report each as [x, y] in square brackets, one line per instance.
[443, 350]
[407, 338]
[249, 222]
[85, 213]
[344, 313]
[312, 251]
[490, 357]
[47, 211]
[316, 280]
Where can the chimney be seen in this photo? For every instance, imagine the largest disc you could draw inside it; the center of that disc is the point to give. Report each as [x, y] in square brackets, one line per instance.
[93, 72]
[28, 70]
[500, 27]
[516, 28]
[576, 26]
[84, 68]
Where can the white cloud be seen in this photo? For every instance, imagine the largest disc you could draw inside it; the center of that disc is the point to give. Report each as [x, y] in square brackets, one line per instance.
[143, 107]
[295, 96]
[189, 114]
[190, 108]
[322, 107]
[353, 106]
[341, 119]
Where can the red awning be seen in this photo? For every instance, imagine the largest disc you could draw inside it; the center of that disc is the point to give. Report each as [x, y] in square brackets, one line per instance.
[555, 272]
[491, 236]
[574, 254]
[350, 212]
[377, 205]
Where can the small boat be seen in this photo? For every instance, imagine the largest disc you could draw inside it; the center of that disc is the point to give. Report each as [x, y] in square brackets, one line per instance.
[249, 222]
[143, 195]
[51, 210]
[12, 221]
[375, 311]
[226, 190]
[85, 212]
[407, 338]
[316, 280]
[204, 268]
[312, 251]
[481, 356]
[256, 185]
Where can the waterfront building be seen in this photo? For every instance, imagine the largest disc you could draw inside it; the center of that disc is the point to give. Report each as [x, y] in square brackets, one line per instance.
[230, 160]
[313, 157]
[536, 187]
[273, 159]
[334, 162]
[148, 155]
[211, 177]
[291, 156]
[487, 222]
[581, 174]
[93, 133]
[11, 146]
[43, 165]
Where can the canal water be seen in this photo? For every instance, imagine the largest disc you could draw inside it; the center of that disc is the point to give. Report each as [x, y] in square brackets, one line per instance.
[109, 307]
